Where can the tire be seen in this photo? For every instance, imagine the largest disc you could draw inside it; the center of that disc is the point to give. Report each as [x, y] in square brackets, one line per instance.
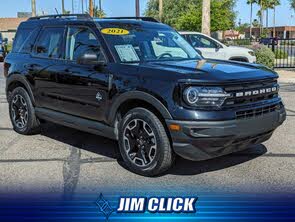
[144, 144]
[22, 113]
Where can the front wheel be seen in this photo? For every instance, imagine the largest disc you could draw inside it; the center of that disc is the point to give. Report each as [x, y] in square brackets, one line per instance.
[22, 112]
[144, 144]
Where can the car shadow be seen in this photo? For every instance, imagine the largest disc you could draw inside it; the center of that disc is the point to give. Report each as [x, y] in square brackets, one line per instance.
[107, 150]
[186, 167]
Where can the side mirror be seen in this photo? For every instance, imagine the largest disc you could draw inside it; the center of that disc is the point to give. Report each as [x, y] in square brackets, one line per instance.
[218, 47]
[89, 58]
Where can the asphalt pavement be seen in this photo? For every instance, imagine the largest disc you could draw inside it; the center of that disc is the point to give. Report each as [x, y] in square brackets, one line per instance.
[63, 161]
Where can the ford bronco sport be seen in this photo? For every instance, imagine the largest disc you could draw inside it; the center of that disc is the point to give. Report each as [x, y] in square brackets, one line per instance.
[138, 81]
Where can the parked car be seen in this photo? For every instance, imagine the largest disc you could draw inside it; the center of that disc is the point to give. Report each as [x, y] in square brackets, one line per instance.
[3, 43]
[269, 41]
[139, 82]
[213, 49]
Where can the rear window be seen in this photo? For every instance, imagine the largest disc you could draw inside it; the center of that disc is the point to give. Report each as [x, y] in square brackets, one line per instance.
[24, 40]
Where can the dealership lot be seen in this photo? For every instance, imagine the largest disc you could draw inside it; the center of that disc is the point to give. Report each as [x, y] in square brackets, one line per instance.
[66, 161]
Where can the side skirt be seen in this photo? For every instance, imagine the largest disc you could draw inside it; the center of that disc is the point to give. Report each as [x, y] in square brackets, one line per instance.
[78, 123]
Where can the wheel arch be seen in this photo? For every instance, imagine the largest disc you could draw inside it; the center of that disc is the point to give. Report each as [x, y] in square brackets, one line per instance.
[134, 99]
[17, 80]
[239, 58]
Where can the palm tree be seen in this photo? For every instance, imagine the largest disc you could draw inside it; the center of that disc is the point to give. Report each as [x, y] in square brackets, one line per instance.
[97, 12]
[251, 2]
[264, 4]
[206, 17]
[274, 4]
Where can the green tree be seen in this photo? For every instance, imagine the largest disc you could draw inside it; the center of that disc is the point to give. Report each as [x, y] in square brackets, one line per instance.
[292, 2]
[187, 14]
[99, 13]
[241, 28]
[172, 10]
[256, 23]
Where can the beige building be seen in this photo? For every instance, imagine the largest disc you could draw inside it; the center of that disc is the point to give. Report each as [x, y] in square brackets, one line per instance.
[8, 27]
[286, 32]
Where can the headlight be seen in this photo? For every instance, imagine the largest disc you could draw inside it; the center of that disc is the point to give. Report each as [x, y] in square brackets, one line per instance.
[205, 96]
[252, 53]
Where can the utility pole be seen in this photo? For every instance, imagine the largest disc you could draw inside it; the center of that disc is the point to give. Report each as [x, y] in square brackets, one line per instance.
[63, 6]
[206, 17]
[73, 9]
[91, 8]
[34, 8]
[161, 10]
[137, 8]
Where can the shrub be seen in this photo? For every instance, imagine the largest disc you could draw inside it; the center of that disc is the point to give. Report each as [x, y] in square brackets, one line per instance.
[264, 56]
[281, 54]
[8, 47]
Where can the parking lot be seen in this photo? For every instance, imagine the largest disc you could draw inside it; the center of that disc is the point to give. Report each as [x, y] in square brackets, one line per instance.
[66, 161]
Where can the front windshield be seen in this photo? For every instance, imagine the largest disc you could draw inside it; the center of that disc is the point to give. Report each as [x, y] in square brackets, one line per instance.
[137, 44]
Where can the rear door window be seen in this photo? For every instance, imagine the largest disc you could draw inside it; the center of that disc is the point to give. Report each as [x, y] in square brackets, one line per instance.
[49, 43]
[200, 41]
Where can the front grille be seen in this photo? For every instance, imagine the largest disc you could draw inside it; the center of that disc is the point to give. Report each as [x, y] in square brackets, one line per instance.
[252, 113]
[251, 88]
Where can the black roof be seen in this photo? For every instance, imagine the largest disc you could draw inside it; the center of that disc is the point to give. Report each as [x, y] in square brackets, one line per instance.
[85, 18]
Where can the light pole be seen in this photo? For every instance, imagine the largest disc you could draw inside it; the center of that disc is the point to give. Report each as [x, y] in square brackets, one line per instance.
[34, 8]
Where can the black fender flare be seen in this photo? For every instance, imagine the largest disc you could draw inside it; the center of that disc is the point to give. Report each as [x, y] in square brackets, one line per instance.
[137, 95]
[23, 80]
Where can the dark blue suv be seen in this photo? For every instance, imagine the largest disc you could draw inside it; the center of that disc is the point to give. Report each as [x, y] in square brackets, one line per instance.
[139, 82]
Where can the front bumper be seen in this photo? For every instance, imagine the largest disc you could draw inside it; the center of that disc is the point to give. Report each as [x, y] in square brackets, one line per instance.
[201, 140]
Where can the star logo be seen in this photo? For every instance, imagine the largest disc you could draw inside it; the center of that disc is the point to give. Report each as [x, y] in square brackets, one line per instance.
[104, 206]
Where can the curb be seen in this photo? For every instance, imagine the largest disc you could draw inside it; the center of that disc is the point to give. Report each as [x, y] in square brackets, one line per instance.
[292, 81]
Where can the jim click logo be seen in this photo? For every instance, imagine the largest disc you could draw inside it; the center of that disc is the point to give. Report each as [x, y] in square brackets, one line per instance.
[152, 205]
[157, 205]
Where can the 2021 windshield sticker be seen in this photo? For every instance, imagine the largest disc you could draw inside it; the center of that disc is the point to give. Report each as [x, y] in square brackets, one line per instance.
[114, 31]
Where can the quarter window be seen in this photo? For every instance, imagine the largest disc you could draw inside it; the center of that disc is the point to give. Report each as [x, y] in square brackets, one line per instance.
[49, 43]
[25, 40]
[81, 40]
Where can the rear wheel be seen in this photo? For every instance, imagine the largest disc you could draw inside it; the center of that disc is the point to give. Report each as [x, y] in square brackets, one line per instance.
[144, 144]
[22, 112]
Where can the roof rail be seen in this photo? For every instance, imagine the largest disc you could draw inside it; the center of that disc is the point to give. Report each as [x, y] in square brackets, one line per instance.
[60, 16]
[146, 19]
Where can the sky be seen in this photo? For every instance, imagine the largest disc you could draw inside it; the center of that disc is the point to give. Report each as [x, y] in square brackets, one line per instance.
[285, 16]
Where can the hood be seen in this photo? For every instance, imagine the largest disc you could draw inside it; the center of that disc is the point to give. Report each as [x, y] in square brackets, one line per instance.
[214, 70]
